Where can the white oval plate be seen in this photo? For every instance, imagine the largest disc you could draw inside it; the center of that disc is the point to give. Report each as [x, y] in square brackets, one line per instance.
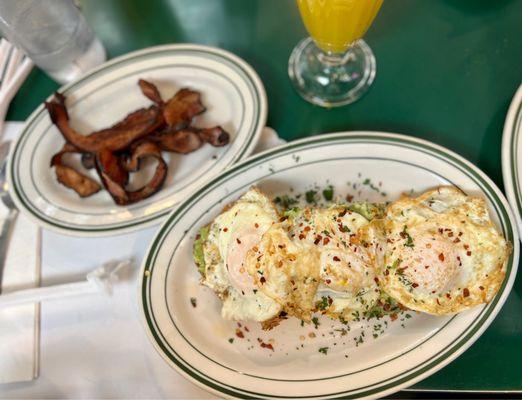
[511, 153]
[231, 91]
[194, 340]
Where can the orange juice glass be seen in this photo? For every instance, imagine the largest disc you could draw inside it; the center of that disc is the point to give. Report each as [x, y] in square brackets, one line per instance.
[334, 66]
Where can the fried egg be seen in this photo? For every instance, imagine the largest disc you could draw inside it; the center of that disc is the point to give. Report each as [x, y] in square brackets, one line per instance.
[316, 261]
[232, 234]
[440, 252]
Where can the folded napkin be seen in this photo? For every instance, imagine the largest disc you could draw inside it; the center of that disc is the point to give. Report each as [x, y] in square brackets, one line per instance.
[20, 325]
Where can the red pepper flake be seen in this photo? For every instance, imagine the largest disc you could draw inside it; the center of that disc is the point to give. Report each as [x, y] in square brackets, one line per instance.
[239, 324]
[386, 272]
[326, 241]
[441, 230]
[256, 225]
[301, 236]
[386, 307]
[307, 228]
[461, 233]
[265, 345]
[450, 234]
[239, 333]
[460, 261]
[238, 241]
[466, 246]
[282, 219]
[328, 281]
[246, 329]
[393, 316]
[441, 256]
[343, 213]
[481, 287]
[448, 295]
[465, 292]
[414, 285]
[262, 280]
[335, 258]
[225, 229]
[426, 266]
[317, 239]
[457, 240]
[349, 198]
[438, 302]
[468, 253]
[376, 280]
[281, 246]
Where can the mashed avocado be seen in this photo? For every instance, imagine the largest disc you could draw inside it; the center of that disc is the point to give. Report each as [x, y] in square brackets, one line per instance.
[198, 254]
[367, 210]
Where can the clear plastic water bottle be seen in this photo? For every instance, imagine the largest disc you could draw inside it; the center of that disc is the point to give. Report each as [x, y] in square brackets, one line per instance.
[54, 34]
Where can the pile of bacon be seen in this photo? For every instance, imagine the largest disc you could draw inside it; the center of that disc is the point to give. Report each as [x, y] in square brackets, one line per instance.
[117, 151]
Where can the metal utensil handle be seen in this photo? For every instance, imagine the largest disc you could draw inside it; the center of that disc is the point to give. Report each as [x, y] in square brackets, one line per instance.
[5, 236]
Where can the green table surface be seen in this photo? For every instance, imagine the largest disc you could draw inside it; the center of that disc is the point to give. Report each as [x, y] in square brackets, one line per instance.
[446, 71]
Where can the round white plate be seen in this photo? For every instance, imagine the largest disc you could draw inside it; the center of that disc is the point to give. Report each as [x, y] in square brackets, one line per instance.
[511, 156]
[231, 91]
[194, 340]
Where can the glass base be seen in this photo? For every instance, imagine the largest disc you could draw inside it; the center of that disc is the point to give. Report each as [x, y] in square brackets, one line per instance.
[331, 80]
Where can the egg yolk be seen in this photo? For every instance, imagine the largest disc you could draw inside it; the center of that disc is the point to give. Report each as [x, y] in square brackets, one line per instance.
[431, 264]
[241, 243]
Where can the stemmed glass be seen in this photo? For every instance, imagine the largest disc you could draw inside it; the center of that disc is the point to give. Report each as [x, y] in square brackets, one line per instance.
[334, 66]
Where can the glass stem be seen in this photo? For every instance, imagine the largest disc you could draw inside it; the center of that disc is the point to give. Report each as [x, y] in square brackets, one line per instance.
[334, 59]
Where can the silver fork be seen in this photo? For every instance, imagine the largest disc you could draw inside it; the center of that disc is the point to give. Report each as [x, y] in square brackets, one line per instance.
[12, 211]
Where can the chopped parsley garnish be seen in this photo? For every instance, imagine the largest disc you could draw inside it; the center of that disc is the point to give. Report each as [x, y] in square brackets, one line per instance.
[406, 235]
[310, 196]
[395, 264]
[302, 323]
[323, 303]
[231, 340]
[328, 193]
[285, 201]
[323, 350]
[315, 321]
[344, 229]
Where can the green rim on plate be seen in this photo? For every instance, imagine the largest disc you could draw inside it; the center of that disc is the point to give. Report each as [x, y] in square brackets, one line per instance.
[510, 156]
[417, 372]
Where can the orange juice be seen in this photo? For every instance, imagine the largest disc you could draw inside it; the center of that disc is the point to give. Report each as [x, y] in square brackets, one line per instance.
[336, 24]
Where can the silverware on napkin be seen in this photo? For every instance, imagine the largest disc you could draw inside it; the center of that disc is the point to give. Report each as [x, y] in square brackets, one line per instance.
[12, 211]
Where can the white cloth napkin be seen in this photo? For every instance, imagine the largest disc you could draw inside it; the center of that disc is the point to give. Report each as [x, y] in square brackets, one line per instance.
[20, 325]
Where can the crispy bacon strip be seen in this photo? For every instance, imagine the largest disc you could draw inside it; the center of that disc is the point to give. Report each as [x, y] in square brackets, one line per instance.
[69, 177]
[179, 110]
[216, 136]
[136, 125]
[190, 139]
[183, 141]
[112, 166]
[118, 192]
[150, 91]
